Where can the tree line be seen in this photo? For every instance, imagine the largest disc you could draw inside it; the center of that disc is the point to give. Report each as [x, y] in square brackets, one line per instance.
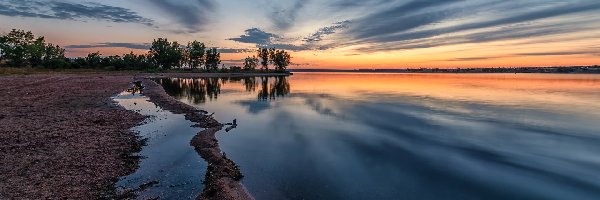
[19, 48]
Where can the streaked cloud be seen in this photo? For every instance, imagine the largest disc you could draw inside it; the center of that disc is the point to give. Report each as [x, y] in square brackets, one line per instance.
[144, 46]
[322, 32]
[345, 30]
[284, 17]
[425, 24]
[190, 15]
[70, 11]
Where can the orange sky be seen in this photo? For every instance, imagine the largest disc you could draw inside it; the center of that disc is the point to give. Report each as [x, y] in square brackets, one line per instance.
[330, 34]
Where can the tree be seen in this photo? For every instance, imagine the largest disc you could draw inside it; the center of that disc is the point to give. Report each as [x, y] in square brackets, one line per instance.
[3, 45]
[213, 59]
[53, 52]
[54, 57]
[166, 54]
[280, 58]
[79, 63]
[263, 54]
[196, 54]
[20, 48]
[15, 46]
[250, 63]
[94, 59]
[36, 51]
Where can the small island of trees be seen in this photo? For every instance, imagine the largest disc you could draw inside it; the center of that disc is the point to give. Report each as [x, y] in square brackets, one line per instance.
[20, 48]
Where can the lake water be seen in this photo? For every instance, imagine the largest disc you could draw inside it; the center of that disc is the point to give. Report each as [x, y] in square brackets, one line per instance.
[170, 168]
[408, 136]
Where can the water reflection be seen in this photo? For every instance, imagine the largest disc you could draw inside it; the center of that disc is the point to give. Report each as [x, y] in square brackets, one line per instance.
[199, 90]
[279, 87]
[414, 136]
[170, 168]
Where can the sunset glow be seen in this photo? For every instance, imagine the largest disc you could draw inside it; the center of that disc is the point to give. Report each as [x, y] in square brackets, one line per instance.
[329, 34]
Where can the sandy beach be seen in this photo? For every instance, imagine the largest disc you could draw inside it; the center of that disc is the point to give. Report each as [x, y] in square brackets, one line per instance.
[62, 136]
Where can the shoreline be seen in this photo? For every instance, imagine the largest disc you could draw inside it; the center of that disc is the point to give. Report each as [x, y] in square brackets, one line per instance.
[63, 136]
[222, 180]
[210, 75]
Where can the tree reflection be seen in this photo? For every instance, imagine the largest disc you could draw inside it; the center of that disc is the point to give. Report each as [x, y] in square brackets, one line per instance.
[279, 87]
[199, 90]
[195, 90]
[250, 84]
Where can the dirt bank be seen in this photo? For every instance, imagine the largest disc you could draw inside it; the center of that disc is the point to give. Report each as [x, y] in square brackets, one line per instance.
[222, 177]
[61, 136]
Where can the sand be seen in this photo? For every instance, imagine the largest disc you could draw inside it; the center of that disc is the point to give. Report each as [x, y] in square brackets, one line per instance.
[61, 136]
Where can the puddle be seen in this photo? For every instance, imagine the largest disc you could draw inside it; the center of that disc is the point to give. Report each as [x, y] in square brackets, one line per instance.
[170, 168]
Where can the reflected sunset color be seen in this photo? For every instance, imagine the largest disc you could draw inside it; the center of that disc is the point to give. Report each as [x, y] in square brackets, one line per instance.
[416, 136]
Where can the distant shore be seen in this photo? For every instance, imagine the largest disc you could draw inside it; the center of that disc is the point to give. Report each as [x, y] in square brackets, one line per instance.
[209, 75]
[550, 70]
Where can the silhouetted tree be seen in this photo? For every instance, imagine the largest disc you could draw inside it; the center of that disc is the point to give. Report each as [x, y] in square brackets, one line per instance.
[54, 57]
[250, 63]
[36, 51]
[166, 54]
[20, 48]
[94, 59]
[15, 47]
[79, 63]
[263, 54]
[196, 54]
[280, 58]
[213, 59]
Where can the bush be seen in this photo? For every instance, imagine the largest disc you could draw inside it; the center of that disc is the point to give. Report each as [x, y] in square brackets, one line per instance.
[57, 64]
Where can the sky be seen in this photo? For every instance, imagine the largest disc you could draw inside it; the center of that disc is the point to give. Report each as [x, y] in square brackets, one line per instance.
[332, 34]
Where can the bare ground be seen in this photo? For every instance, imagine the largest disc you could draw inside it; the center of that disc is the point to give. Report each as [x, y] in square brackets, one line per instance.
[61, 136]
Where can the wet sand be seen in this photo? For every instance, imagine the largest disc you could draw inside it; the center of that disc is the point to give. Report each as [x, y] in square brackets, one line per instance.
[62, 137]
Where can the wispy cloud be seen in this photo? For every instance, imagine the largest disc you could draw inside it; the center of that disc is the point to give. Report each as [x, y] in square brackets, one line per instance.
[425, 24]
[285, 17]
[192, 15]
[592, 52]
[475, 58]
[233, 50]
[70, 11]
[562, 53]
[322, 32]
[143, 46]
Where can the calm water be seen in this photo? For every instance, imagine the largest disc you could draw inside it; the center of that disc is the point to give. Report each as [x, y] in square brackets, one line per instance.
[408, 136]
[168, 160]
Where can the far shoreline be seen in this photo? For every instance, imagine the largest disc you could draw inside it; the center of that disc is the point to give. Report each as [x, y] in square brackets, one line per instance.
[595, 69]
